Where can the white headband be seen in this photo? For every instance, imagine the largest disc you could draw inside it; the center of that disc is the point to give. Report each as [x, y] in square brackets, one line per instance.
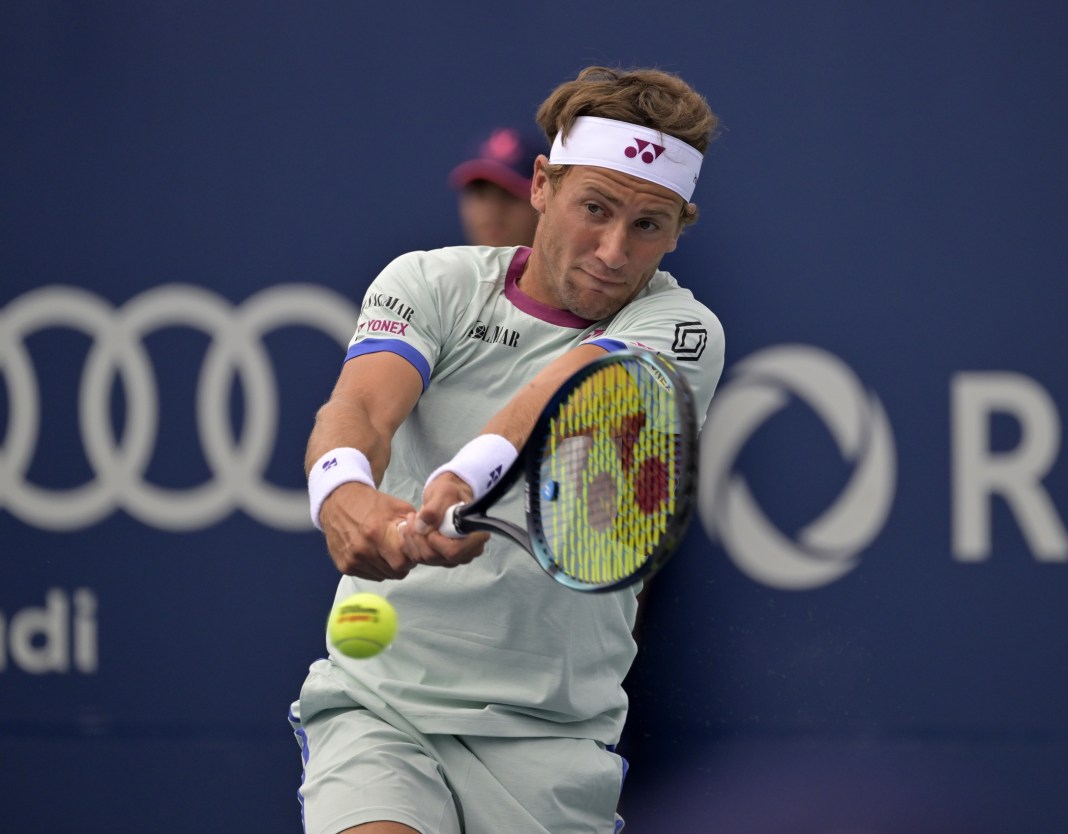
[639, 151]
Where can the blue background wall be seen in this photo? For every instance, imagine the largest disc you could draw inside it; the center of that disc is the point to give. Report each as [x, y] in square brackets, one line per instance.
[883, 235]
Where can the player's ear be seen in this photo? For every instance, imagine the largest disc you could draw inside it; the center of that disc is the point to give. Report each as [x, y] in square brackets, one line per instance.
[540, 185]
[688, 216]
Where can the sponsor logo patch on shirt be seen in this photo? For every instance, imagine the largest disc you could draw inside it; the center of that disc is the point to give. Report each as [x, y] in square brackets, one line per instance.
[378, 300]
[690, 340]
[494, 334]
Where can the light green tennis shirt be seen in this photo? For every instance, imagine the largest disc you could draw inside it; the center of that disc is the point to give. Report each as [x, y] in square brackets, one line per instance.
[496, 647]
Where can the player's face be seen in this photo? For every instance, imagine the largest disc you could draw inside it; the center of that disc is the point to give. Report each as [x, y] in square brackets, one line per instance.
[600, 239]
[492, 216]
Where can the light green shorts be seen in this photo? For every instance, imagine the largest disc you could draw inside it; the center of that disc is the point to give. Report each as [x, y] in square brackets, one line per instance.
[360, 768]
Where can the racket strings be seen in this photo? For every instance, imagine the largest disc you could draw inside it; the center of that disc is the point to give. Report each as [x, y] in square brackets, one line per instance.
[612, 466]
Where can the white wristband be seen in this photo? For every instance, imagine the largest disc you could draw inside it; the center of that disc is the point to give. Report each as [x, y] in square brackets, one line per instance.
[336, 467]
[481, 463]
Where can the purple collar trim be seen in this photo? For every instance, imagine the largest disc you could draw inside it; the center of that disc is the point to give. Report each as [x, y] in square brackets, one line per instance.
[561, 318]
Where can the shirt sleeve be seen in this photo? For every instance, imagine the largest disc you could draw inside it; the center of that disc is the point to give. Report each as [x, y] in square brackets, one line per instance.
[401, 313]
[675, 325]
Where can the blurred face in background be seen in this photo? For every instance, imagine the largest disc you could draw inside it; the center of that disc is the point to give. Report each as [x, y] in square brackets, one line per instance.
[492, 216]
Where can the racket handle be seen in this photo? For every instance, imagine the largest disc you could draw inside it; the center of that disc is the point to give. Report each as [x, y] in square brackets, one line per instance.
[450, 526]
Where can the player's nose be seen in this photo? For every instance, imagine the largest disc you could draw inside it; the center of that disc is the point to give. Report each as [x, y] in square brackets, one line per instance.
[612, 246]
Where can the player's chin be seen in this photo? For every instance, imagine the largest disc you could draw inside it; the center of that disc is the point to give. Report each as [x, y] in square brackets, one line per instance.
[598, 306]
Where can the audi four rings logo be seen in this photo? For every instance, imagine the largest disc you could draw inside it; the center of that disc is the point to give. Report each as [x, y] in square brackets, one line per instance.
[118, 350]
[827, 548]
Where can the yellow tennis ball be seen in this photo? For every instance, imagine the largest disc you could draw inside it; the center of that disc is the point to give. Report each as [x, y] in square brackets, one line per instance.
[362, 625]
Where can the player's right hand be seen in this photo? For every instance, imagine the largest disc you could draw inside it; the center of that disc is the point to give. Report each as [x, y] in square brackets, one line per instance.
[423, 541]
[360, 524]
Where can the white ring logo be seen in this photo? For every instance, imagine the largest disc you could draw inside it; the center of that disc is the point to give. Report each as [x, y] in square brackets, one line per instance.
[827, 547]
[119, 465]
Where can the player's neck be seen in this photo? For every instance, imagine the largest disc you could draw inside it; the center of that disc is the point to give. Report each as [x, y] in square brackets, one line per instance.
[532, 282]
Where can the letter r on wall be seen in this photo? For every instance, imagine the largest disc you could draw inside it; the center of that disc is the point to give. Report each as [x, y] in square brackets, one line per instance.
[979, 473]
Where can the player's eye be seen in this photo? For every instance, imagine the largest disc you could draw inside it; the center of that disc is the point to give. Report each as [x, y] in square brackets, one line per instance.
[594, 209]
[647, 226]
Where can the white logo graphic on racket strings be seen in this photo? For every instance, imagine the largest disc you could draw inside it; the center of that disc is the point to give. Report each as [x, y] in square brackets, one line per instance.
[828, 547]
[119, 464]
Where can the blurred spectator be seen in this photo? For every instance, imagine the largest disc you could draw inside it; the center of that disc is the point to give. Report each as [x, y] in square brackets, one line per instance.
[494, 188]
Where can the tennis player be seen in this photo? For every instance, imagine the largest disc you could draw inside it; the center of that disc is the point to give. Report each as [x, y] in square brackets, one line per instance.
[497, 706]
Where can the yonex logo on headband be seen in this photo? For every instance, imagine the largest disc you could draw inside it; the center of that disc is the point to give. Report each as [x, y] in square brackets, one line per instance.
[647, 155]
[642, 152]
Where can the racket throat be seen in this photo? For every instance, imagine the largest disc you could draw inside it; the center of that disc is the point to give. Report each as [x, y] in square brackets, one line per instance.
[499, 526]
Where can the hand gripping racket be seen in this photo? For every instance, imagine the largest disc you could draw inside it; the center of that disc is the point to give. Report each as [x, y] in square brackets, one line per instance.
[610, 475]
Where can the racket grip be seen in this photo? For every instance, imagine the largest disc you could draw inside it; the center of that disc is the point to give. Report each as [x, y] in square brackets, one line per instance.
[450, 524]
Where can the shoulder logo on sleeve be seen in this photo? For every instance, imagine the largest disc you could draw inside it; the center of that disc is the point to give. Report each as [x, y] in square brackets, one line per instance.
[690, 340]
[389, 302]
[397, 328]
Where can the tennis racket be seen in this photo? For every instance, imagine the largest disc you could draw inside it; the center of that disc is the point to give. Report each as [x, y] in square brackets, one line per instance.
[609, 474]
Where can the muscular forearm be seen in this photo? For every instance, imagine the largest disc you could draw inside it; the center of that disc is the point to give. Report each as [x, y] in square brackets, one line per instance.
[373, 396]
[340, 423]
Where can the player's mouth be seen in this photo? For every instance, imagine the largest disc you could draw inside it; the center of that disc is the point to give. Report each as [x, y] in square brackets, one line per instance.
[603, 283]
